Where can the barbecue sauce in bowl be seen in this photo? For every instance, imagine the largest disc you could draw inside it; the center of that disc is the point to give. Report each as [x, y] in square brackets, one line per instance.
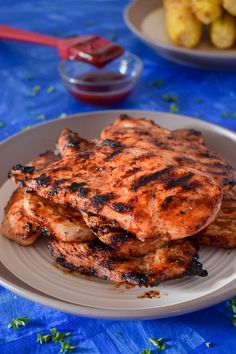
[101, 88]
[105, 86]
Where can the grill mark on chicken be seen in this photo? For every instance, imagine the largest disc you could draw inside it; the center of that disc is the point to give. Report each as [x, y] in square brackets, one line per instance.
[144, 180]
[25, 169]
[113, 144]
[122, 207]
[43, 181]
[178, 181]
[102, 199]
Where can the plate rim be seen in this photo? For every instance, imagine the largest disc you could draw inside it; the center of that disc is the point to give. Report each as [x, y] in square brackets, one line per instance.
[224, 55]
[215, 297]
[92, 312]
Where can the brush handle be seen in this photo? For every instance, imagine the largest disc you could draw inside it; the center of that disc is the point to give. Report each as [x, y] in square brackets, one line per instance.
[14, 34]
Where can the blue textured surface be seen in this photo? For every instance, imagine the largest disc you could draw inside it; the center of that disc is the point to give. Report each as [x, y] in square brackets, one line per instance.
[185, 334]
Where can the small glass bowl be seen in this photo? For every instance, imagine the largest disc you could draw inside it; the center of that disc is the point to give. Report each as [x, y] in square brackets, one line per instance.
[104, 86]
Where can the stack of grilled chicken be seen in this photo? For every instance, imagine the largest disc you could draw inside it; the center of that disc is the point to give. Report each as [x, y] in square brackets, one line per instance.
[132, 206]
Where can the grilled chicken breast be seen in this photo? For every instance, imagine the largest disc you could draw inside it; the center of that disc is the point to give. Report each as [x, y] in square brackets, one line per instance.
[222, 233]
[182, 147]
[17, 224]
[64, 223]
[175, 260]
[138, 189]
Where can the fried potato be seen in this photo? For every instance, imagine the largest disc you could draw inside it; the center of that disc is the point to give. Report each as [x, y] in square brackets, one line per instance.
[230, 6]
[207, 10]
[183, 27]
[223, 31]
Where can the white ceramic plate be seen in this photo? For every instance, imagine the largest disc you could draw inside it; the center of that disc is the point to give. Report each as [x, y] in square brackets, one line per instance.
[145, 18]
[34, 267]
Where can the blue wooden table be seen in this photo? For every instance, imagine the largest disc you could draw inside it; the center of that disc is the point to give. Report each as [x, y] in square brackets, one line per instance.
[31, 92]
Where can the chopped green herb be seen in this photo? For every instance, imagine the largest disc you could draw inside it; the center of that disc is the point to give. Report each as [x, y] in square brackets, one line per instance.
[67, 347]
[232, 304]
[198, 100]
[173, 108]
[18, 322]
[169, 98]
[2, 124]
[159, 343]
[118, 333]
[209, 344]
[41, 338]
[225, 115]
[27, 127]
[232, 307]
[89, 23]
[146, 351]
[50, 89]
[28, 77]
[114, 37]
[58, 336]
[40, 117]
[35, 90]
[156, 83]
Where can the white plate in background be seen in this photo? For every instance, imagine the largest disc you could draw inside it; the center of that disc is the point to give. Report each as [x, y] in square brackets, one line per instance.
[145, 18]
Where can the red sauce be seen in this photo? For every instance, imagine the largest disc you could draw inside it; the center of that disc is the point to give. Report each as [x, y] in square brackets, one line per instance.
[103, 82]
[149, 294]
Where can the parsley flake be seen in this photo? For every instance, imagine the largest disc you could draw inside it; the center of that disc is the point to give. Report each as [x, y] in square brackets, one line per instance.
[18, 322]
[58, 336]
[232, 307]
[225, 115]
[35, 90]
[173, 108]
[28, 77]
[159, 343]
[118, 333]
[50, 89]
[156, 83]
[66, 347]
[209, 344]
[146, 351]
[41, 338]
[27, 127]
[40, 117]
[198, 100]
[169, 98]
[2, 124]
[114, 37]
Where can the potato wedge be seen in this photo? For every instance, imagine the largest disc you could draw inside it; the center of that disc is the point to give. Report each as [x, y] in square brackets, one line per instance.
[223, 31]
[182, 25]
[230, 6]
[207, 10]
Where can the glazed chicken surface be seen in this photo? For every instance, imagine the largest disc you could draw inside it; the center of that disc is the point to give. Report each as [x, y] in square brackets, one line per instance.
[122, 207]
[138, 189]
